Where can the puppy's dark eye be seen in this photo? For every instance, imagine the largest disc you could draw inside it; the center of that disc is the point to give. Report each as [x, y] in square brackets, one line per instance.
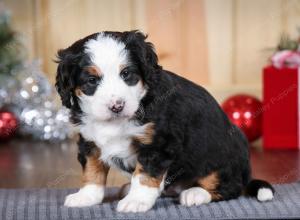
[93, 80]
[125, 74]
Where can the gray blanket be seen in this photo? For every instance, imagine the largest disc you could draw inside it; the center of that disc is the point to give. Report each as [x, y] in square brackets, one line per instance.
[48, 204]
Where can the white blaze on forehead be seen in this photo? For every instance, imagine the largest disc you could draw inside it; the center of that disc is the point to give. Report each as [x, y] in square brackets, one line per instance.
[110, 55]
[106, 52]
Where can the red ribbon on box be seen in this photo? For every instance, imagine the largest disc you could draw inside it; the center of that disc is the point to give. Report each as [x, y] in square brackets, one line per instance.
[286, 58]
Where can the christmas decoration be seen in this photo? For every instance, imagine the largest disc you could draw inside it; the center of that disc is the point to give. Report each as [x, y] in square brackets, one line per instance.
[287, 53]
[281, 120]
[245, 112]
[30, 96]
[286, 58]
[8, 125]
[26, 92]
[286, 43]
[11, 50]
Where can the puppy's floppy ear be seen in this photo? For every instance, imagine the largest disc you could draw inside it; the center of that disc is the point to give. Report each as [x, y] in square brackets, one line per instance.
[65, 76]
[146, 49]
[70, 61]
[142, 51]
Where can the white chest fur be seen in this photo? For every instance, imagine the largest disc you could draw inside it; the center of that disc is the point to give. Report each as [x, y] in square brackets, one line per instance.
[114, 138]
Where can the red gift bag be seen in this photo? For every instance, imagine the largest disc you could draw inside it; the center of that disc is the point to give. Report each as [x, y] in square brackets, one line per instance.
[281, 108]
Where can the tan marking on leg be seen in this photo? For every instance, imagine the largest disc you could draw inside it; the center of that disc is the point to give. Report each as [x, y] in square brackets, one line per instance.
[147, 137]
[124, 190]
[93, 70]
[210, 183]
[146, 179]
[138, 169]
[95, 171]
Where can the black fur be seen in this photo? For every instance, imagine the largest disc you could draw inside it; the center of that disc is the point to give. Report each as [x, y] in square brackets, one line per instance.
[71, 62]
[85, 149]
[131, 75]
[193, 136]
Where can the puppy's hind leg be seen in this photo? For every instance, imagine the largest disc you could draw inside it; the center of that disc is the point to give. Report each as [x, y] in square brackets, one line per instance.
[204, 191]
[194, 196]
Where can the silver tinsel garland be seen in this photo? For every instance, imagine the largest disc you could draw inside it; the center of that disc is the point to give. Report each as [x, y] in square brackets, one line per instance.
[29, 95]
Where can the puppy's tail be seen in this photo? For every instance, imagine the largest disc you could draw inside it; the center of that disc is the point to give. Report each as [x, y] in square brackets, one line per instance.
[260, 189]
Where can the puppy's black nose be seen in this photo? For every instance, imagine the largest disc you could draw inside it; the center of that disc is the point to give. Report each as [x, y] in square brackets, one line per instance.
[117, 106]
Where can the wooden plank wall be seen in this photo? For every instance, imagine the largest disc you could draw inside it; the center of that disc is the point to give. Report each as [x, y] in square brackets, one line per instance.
[221, 44]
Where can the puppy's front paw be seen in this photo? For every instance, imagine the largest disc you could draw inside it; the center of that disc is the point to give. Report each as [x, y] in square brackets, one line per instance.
[80, 200]
[129, 204]
[87, 196]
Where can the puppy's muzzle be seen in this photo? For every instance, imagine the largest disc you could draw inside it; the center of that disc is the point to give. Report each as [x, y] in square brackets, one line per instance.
[117, 106]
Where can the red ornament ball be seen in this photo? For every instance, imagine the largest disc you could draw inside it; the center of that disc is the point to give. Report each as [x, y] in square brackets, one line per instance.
[245, 111]
[8, 125]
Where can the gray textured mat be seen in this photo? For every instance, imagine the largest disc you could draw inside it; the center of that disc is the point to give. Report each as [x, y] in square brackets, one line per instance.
[48, 204]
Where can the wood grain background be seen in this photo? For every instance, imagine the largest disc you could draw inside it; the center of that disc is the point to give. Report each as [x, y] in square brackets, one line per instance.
[221, 44]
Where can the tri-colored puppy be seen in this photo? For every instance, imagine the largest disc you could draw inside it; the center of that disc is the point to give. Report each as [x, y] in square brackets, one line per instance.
[168, 133]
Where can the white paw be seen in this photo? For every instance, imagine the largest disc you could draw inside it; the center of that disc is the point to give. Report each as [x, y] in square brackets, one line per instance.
[264, 194]
[140, 198]
[80, 200]
[133, 205]
[194, 196]
[87, 196]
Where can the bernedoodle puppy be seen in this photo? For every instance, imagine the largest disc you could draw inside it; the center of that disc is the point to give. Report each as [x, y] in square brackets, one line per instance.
[166, 132]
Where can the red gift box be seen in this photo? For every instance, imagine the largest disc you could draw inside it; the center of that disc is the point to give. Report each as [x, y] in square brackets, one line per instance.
[281, 108]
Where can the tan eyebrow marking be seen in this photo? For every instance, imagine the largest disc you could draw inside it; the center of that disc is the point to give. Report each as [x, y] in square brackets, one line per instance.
[122, 66]
[93, 70]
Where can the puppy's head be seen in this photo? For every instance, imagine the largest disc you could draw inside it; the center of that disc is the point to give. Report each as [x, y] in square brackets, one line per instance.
[105, 75]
